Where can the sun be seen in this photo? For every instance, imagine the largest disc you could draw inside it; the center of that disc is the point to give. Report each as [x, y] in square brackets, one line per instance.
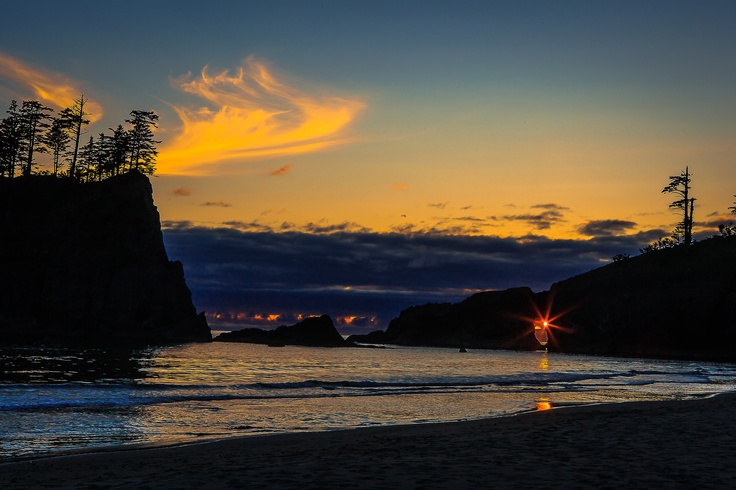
[543, 324]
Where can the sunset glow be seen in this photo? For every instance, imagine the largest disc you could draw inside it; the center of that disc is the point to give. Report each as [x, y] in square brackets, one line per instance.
[251, 114]
[358, 158]
[45, 86]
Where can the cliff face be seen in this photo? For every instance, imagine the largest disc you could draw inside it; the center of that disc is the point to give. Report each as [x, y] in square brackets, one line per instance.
[675, 303]
[87, 262]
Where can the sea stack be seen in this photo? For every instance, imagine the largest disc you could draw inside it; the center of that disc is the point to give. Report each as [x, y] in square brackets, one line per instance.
[85, 262]
[316, 331]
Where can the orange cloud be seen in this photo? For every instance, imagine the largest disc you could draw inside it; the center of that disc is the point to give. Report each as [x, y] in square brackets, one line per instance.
[251, 114]
[281, 171]
[399, 187]
[182, 191]
[47, 87]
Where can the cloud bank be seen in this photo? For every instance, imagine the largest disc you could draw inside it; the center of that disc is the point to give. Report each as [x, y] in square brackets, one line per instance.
[244, 275]
[251, 113]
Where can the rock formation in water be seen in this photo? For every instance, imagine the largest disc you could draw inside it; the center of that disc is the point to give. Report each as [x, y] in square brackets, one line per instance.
[312, 331]
[86, 263]
[673, 303]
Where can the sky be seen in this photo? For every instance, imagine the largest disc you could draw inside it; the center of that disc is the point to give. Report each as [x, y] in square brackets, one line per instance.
[356, 158]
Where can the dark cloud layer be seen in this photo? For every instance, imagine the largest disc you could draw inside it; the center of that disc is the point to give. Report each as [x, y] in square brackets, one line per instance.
[551, 214]
[366, 275]
[608, 227]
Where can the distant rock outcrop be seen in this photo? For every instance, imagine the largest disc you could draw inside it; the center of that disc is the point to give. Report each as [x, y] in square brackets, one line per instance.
[86, 263]
[312, 331]
[673, 303]
[488, 320]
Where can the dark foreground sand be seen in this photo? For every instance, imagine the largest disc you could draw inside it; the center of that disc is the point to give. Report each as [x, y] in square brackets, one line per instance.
[660, 445]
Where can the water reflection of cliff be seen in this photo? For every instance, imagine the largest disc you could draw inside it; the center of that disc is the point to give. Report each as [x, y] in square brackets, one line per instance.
[60, 365]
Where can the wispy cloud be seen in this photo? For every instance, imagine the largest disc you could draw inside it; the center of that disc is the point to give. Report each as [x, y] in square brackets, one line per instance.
[551, 207]
[710, 226]
[551, 214]
[607, 227]
[45, 86]
[438, 205]
[219, 204]
[251, 113]
[280, 171]
[182, 191]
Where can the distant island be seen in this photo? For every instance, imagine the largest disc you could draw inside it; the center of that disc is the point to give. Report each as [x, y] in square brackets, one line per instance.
[677, 302]
[85, 262]
[316, 331]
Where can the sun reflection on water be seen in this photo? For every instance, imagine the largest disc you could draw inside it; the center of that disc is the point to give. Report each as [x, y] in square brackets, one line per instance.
[544, 362]
[543, 403]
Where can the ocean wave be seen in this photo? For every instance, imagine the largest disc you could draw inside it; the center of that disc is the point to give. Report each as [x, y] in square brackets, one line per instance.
[90, 396]
[141, 393]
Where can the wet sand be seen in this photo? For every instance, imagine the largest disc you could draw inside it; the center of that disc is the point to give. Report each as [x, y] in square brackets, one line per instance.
[663, 445]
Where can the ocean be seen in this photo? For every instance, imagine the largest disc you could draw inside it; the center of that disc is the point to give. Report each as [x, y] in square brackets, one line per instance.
[54, 400]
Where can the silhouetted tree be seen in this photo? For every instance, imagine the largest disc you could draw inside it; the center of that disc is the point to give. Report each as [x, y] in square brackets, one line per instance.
[86, 163]
[680, 186]
[27, 130]
[33, 116]
[12, 146]
[660, 244]
[56, 140]
[142, 145]
[727, 230]
[73, 119]
[119, 149]
[101, 165]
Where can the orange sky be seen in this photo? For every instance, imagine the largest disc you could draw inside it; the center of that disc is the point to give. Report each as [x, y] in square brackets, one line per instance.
[475, 119]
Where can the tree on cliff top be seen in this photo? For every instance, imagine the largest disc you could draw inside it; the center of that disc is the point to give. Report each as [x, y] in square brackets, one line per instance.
[11, 141]
[33, 117]
[56, 140]
[140, 139]
[27, 130]
[73, 118]
[680, 186]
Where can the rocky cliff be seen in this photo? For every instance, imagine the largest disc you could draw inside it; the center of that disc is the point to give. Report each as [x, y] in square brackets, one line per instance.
[86, 262]
[674, 303]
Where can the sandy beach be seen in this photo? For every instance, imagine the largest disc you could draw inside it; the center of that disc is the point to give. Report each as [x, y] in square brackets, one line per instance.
[686, 444]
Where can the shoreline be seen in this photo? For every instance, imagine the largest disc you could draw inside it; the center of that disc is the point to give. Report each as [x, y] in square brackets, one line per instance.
[678, 444]
[193, 441]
